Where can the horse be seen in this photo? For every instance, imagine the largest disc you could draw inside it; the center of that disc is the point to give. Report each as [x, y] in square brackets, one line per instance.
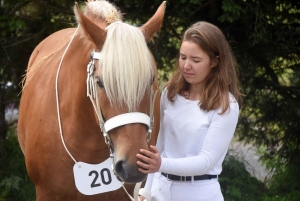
[88, 96]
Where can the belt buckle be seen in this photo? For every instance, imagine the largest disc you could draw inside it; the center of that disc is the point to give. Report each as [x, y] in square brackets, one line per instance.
[168, 177]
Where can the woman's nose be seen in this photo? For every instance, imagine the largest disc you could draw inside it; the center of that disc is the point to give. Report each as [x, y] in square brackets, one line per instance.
[187, 64]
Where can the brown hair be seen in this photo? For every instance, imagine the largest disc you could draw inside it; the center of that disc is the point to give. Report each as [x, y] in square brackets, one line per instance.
[222, 78]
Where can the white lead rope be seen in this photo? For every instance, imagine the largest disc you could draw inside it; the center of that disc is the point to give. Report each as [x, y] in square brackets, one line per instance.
[57, 100]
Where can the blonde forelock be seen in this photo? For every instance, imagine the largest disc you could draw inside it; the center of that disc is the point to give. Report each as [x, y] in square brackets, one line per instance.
[126, 65]
[102, 10]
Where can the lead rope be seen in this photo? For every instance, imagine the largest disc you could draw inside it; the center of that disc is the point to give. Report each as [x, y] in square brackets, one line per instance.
[57, 101]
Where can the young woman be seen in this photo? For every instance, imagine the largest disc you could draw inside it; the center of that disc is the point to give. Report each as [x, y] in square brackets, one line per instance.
[199, 113]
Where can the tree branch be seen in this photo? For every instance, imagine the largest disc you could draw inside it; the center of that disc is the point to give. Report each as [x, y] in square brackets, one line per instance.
[22, 41]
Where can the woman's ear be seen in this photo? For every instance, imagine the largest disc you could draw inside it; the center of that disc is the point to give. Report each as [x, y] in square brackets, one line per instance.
[215, 62]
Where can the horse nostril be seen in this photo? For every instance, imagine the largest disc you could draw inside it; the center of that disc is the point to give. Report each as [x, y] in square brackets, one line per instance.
[119, 168]
[128, 173]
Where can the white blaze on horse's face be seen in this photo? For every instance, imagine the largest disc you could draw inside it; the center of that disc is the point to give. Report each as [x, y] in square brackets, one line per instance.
[124, 75]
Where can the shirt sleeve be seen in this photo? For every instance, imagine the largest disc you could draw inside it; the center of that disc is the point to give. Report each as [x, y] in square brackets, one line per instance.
[159, 142]
[215, 145]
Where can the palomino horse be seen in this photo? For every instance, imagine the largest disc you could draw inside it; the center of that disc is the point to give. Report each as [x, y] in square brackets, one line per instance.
[59, 125]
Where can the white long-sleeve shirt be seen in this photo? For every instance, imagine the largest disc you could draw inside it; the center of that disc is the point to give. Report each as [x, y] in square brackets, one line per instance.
[192, 141]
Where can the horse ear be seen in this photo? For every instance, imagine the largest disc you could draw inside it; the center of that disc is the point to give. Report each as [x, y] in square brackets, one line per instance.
[154, 23]
[93, 32]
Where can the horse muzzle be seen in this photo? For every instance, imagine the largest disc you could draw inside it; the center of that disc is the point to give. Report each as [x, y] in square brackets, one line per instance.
[128, 173]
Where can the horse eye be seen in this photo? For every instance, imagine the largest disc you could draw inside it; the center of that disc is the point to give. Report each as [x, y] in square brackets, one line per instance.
[153, 79]
[99, 82]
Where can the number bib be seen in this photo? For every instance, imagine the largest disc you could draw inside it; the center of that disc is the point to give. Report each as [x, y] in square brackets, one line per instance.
[91, 179]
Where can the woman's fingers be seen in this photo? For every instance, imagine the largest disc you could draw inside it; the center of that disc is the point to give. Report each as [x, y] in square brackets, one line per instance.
[150, 161]
[143, 165]
[144, 171]
[143, 158]
[147, 153]
[155, 150]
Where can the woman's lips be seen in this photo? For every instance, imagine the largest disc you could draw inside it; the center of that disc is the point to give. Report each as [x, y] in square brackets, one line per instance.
[188, 74]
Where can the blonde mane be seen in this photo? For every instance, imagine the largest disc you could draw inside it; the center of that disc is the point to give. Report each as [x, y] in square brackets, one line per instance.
[126, 65]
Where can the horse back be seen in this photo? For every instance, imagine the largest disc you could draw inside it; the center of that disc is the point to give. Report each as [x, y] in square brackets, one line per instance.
[50, 45]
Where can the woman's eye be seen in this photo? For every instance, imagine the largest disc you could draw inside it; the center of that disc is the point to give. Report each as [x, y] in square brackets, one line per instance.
[99, 82]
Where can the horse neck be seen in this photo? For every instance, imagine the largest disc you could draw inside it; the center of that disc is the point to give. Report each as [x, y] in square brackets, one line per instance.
[72, 78]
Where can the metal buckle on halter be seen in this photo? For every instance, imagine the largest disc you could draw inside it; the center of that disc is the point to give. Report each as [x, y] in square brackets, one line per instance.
[102, 127]
[148, 137]
[108, 141]
[150, 129]
[151, 122]
[90, 68]
[92, 54]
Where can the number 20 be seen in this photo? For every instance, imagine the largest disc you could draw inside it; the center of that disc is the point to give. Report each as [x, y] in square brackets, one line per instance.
[94, 184]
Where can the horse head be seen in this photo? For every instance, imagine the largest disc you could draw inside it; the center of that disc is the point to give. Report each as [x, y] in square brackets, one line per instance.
[123, 83]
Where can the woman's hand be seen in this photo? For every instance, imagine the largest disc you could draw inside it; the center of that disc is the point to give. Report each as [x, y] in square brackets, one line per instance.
[150, 161]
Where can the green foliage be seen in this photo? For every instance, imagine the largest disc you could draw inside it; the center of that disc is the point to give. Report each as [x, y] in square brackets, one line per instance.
[15, 183]
[268, 55]
[290, 196]
[237, 183]
[284, 183]
[231, 11]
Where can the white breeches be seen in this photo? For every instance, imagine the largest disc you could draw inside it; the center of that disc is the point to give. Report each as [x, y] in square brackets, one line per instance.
[166, 190]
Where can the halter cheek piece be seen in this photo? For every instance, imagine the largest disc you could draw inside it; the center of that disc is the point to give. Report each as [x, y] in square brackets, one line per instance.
[119, 120]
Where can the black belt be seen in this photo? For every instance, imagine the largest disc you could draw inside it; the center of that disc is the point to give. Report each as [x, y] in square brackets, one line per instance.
[189, 178]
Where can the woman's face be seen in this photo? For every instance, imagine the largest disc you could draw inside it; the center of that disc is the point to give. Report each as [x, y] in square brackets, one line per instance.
[195, 65]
